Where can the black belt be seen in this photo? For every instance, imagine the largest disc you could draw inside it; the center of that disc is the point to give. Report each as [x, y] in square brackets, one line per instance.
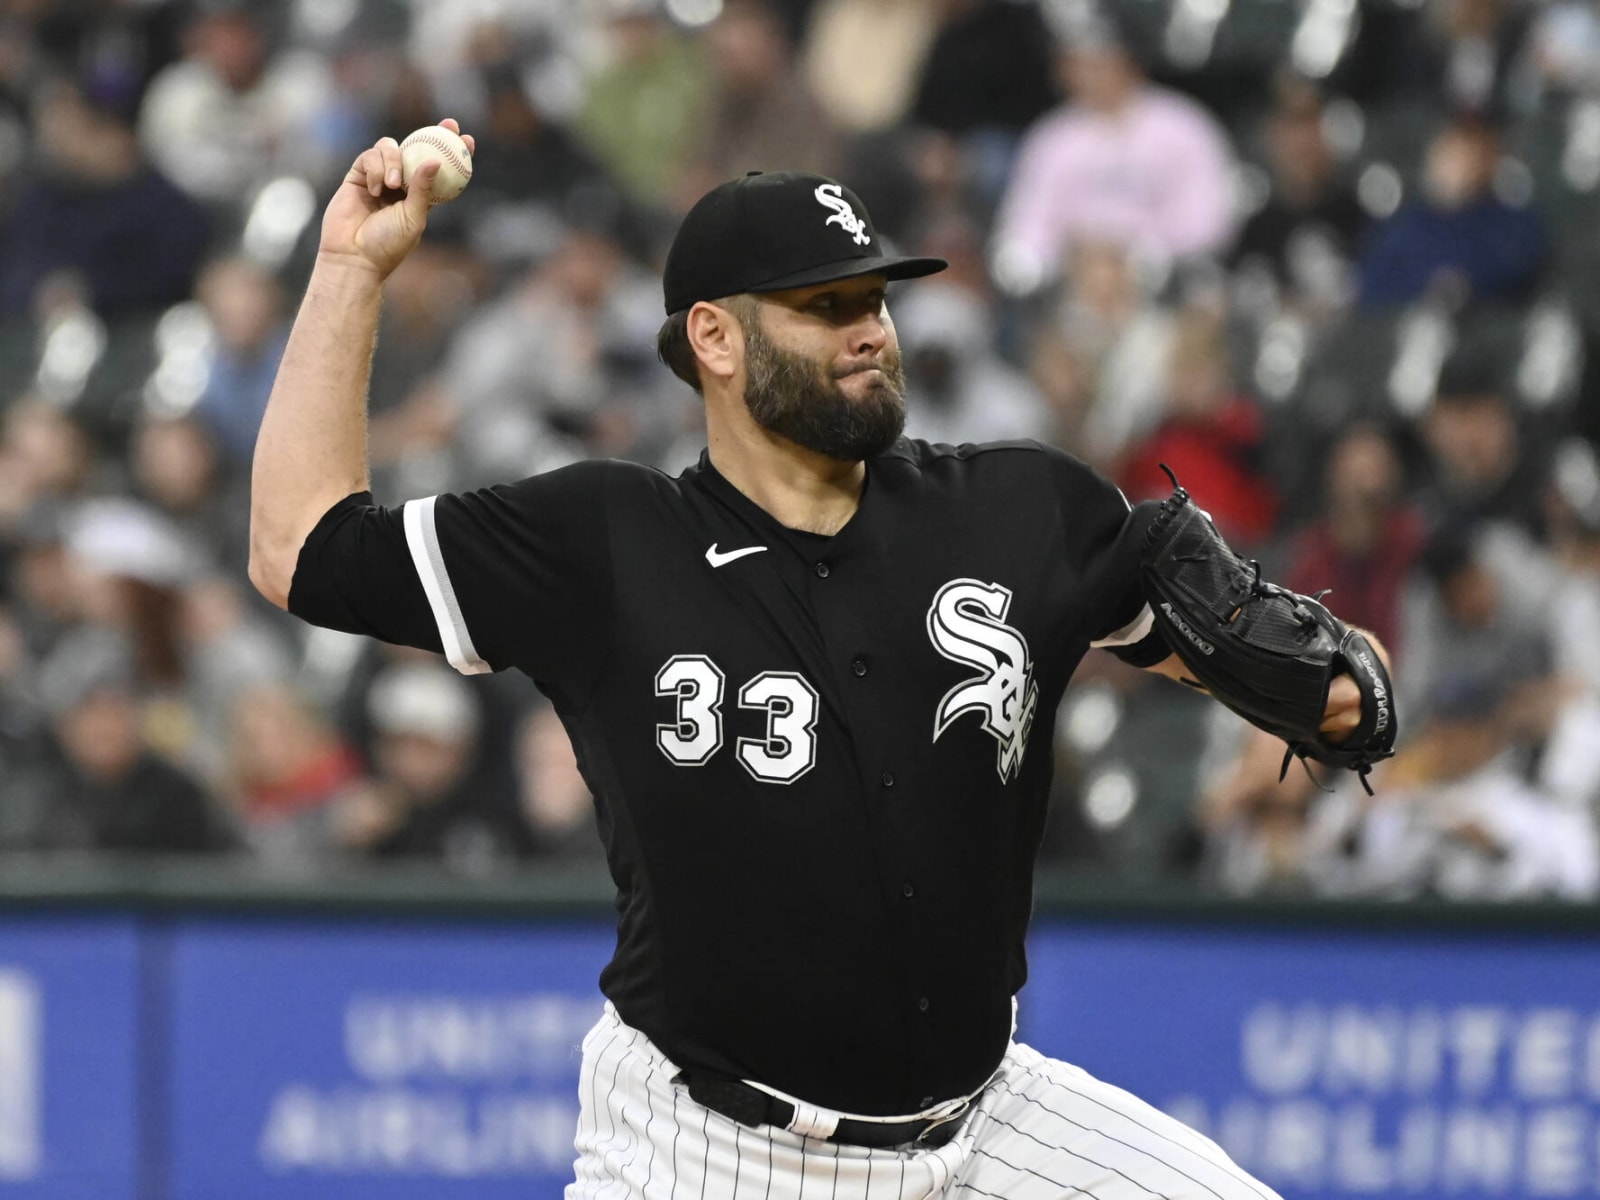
[751, 1106]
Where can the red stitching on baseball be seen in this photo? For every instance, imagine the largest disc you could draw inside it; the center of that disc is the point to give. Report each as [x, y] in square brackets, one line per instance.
[430, 139]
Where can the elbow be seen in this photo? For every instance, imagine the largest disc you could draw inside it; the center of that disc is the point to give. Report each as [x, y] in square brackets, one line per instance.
[271, 572]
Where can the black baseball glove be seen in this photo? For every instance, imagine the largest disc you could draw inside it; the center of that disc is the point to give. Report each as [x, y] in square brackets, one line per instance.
[1268, 653]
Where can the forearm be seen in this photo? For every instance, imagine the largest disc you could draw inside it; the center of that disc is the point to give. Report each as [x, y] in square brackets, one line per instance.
[312, 447]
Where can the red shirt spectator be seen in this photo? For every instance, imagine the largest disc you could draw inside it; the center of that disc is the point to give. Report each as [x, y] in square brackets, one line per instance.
[1212, 455]
[1211, 437]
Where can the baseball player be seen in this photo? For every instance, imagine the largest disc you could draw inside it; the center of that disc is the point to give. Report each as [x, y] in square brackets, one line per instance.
[811, 682]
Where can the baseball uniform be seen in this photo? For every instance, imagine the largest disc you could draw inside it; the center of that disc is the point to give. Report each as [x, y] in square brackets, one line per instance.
[821, 767]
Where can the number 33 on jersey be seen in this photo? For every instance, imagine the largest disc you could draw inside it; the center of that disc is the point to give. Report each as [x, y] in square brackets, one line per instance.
[965, 623]
[789, 748]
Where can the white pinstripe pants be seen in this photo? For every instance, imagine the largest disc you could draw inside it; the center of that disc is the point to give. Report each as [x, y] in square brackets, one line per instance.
[1042, 1130]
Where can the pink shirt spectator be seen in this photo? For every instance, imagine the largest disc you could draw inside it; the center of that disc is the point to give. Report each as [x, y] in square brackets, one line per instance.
[1156, 176]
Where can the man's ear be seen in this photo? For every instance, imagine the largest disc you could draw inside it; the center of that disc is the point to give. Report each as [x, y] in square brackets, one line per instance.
[717, 339]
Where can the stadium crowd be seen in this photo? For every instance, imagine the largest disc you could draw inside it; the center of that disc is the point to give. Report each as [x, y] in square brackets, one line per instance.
[1333, 262]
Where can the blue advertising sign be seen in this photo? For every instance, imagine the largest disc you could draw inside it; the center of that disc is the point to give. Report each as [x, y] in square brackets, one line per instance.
[1338, 1064]
[351, 1061]
[69, 1069]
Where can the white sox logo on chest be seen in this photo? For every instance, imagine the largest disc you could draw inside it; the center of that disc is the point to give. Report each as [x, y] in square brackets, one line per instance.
[966, 625]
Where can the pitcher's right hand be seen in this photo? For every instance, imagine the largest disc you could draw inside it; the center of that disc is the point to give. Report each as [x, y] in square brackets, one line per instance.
[370, 221]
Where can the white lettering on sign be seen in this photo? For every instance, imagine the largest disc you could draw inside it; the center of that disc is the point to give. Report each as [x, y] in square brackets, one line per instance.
[21, 1037]
[1544, 1060]
[409, 1131]
[1385, 1100]
[1282, 1048]
[1556, 1151]
[1476, 1036]
[1359, 1148]
[440, 1085]
[1363, 1050]
[1479, 1149]
[388, 1039]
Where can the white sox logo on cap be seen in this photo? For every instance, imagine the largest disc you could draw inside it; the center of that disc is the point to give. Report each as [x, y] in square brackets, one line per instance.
[830, 196]
[966, 625]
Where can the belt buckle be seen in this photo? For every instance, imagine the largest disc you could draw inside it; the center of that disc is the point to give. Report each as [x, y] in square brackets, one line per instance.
[958, 1111]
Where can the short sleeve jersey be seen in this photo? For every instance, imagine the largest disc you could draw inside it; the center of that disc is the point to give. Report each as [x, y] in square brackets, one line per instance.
[820, 765]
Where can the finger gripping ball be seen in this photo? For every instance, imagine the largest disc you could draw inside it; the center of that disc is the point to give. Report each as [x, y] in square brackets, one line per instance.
[435, 141]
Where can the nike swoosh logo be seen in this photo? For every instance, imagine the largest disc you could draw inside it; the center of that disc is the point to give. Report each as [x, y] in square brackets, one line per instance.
[722, 560]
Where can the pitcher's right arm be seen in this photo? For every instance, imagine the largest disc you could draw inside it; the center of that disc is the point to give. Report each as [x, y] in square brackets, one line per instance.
[311, 451]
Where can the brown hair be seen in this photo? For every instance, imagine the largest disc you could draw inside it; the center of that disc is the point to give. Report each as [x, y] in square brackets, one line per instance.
[673, 348]
[672, 341]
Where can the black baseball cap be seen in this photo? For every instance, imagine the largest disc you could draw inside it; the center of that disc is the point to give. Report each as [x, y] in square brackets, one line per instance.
[772, 230]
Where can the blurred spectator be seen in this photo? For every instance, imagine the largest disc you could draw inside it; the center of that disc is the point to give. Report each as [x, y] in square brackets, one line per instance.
[1102, 356]
[129, 566]
[592, 121]
[960, 389]
[544, 40]
[1211, 437]
[555, 800]
[295, 782]
[1124, 161]
[1261, 826]
[861, 59]
[424, 800]
[111, 792]
[1484, 462]
[46, 457]
[1255, 822]
[41, 587]
[529, 178]
[1436, 55]
[1469, 53]
[1365, 540]
[1569, 769]
[1307, 231]
[245, 305]
[1561, 56]
[426, 302]
[990, 69]
[1475, 622]
[97, 213]
[232, 114]
[1460, 241]
[25, 746]
[988, 75]
[405, 101]
[112, 49]
[761, 117]
[1484, 693]
[177, 468]
[559, 368]
[1462, 811]
[228, 647]
[644, 109]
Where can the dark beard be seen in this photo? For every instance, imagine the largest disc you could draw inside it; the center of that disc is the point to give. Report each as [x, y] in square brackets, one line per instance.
[796, 398]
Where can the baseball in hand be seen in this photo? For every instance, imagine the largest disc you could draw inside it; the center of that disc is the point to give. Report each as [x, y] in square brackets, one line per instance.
[435, 141]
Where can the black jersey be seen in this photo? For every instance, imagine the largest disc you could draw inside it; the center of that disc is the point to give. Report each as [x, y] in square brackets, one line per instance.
[820, 765]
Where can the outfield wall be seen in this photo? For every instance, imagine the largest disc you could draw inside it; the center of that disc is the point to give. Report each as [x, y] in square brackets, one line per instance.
[190, 1034]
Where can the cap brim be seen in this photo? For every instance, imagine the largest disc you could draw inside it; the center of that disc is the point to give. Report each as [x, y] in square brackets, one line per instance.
[889, 266]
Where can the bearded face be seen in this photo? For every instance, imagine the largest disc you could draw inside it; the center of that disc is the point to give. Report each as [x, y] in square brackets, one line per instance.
[801, 399]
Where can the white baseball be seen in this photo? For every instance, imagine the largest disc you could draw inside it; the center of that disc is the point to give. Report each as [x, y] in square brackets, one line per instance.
[435, 141]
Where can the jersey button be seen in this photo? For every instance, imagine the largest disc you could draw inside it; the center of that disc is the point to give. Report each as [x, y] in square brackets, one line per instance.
[822, 570]
[859, 668]
[907, 890]
[922, 1004]
[887, 779]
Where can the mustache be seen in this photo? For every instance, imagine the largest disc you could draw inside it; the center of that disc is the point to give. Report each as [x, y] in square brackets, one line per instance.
[888, 364]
